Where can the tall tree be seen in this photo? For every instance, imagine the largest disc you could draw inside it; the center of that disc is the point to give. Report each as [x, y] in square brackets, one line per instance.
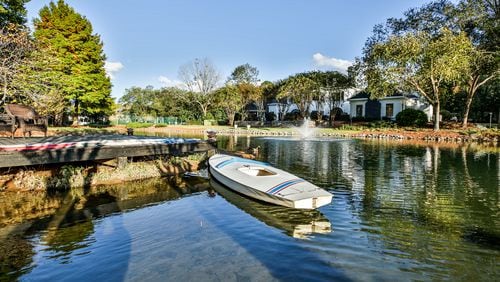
[245, 78]
[13, 12]
[16, 48]
[138, 101]
[478, 19]
[331, 85]
[201, 78]
[301, 90]
[244, 74]
[86, 87]
[229, 99]
[419, 62]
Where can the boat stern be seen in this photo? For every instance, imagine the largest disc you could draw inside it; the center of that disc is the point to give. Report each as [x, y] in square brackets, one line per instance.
[313, 202]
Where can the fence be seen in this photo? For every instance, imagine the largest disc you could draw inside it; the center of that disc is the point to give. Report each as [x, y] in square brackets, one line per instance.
[125, 119]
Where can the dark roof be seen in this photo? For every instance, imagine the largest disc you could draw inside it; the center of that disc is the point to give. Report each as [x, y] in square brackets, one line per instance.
[366, 95]
[395, 94]
[360, 95]
[251, 107]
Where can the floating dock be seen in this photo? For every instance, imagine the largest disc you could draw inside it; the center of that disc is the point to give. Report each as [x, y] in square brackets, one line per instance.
[66, 149]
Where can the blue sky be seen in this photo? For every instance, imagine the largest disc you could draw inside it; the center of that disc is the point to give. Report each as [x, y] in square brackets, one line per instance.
[147, 41]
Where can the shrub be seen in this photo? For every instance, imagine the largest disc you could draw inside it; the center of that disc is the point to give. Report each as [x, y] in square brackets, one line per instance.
[270, 116]
[293, 115]
[446, 115]
[343, 117]
[411, 117]
[381, 124]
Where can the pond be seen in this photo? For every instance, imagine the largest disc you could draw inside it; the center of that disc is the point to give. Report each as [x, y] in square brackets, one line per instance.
[399, 212]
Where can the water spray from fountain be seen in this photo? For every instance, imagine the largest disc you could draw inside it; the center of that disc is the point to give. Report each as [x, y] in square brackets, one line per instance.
[305, 130]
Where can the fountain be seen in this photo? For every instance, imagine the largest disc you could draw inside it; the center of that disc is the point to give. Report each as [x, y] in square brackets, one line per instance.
[305, 130]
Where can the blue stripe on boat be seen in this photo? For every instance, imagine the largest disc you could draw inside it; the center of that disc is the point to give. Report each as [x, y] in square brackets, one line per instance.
[239, 160]
[282, 186]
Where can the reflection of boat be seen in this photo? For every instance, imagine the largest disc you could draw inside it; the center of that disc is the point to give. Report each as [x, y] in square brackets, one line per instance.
[296, 223]
[264, 182]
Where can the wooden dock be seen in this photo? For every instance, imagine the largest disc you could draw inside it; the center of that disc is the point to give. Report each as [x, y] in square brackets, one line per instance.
[66, 149]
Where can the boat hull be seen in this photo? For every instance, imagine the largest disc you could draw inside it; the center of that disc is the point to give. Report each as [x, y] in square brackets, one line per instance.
[274, 186]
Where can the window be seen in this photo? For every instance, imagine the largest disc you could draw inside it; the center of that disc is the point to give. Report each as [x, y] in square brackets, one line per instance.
[389, 110]
[359, 110]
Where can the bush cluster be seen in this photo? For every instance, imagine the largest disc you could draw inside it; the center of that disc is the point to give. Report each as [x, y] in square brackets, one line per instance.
[411, 117]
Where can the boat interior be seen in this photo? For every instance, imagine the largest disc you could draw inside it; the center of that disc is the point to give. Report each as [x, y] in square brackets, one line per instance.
[256, 171]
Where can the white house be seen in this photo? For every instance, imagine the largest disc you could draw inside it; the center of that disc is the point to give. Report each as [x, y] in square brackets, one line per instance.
[357, 103]
[387, 107]
[274, 106]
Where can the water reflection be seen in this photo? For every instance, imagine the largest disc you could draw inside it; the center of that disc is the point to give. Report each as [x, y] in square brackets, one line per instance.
[67, 230]
[400, 212]
[296, 223]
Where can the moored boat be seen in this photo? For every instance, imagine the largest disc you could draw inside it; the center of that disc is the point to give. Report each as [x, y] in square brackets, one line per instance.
[264, 182]
[298, 223]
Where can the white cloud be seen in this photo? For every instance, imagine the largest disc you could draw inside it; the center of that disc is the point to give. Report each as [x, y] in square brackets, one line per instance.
[167, 82]
[112, 68]
[321, 60]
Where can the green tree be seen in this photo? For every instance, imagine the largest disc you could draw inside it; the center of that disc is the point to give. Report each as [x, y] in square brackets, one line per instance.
[229, 99]
[13, 12]
[79, 51]
[271, 91]
[245, 78]
[419, 62]
[175, 102]
[244, 74]
[478, 19]
[301, 90]
[331, 85]
[138, 101]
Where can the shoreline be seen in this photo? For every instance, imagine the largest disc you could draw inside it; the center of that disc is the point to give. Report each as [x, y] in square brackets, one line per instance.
[491, 137]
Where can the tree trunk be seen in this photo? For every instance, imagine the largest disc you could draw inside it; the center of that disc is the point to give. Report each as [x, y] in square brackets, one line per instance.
[436, 115]
[468, 102]
[76, 115]
[230, 117]
[204, 110]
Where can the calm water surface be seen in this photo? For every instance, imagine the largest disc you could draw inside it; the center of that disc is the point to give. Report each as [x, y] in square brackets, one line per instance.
[399, 212]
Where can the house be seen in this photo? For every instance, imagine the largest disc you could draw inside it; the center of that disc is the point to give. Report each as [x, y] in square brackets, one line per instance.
[276, 107]
[387, 107]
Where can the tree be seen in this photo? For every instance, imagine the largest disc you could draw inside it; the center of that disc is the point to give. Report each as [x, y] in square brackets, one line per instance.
[79, 51]
[331, 87]
[419, 62]
[479, 19]
[301, 90]
[201, 78]
[16, 48]
[138, 101]
[12, 12]
[245, 78]
[229, 98]
[39, 84]
[250, 93]
[244, 74]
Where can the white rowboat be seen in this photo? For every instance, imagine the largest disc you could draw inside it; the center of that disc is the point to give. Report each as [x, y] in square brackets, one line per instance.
[266, 183]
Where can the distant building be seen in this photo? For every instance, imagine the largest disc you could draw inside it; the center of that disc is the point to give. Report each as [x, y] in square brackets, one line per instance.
[357, 103]
[387, 107]
[274, 106]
